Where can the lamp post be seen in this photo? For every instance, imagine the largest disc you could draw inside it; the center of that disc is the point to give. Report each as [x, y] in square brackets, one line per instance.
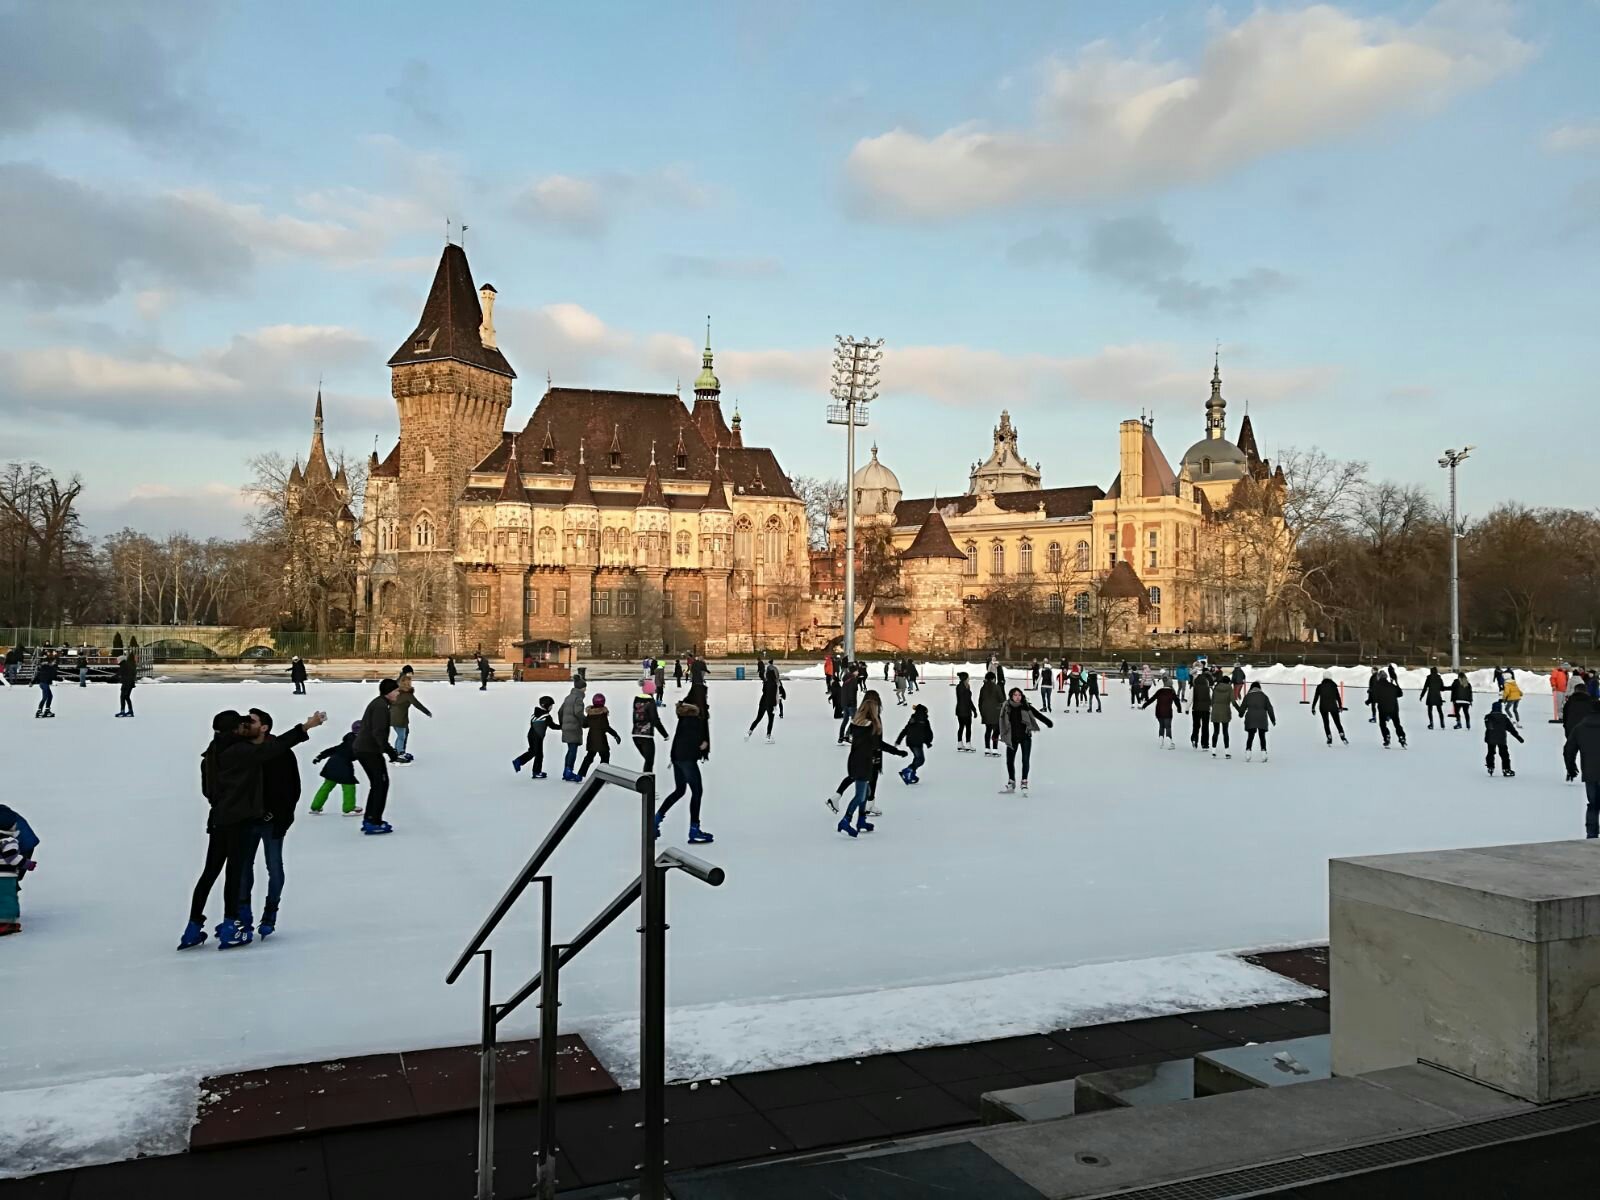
[855, 385]
[1451, 460]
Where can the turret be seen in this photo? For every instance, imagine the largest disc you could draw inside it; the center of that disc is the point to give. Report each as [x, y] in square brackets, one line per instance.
[581, 517]
[708, 400]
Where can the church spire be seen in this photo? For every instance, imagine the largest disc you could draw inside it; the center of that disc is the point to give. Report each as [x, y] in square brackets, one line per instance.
[1216, 406]
[512, 490]
[707, 381]
[708, 400]
[317, 469]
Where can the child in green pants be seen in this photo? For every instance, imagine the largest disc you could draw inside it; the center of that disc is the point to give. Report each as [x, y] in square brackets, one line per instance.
[341, 770]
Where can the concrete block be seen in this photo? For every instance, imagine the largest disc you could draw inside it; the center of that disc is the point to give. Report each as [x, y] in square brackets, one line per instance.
[1136, 1087]
[1265, 1064]
[1038, 1102]
[1482, 961]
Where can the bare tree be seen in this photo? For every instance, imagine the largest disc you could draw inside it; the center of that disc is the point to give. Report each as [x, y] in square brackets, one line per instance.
[1010, 609]
[823, 498]
[790, 600]
[47, 571]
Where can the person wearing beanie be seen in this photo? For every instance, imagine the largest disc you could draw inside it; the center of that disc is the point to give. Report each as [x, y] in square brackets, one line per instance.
[647, 723]
[917, 736]
[374, 753]
[990, 700]
[965, 711]
[597, 721]
[340, 771]
[1325, 701]
[1461, 698]
[569, 719]
[538, 725]
[1497, 728]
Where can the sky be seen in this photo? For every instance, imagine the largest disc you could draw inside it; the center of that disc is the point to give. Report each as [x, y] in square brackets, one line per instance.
[1385, 219]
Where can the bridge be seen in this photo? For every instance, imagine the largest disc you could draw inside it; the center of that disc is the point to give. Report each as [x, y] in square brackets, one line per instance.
[164, 641]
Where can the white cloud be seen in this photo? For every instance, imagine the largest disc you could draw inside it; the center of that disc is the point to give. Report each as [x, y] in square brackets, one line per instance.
[1109, 126]
[575, 205]
[586, 206]
[203, 511]
[1578, 136]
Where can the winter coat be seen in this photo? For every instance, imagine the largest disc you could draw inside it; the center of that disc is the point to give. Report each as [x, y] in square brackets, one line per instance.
[647, 718]
[597, 720]
[1182, 673]
[46, 673]
[1165, 701]
[1326, 697]
[1019, 722]
[1238, 676]
[27, 840]
[1583, 742]
[232, 776]
[1046, 677]
[918, 730]
[1496, 727]
[990, 699]
[769, 687]
[691, 740]
[1222, 702]
[340, 760]
[280, 788]
[1094, 683]
[1200, 698]
[1385, 693]
[373, 736]
[1511, 691]
[1256, 708]
[1461, 690]
[127, 673]
[965, 708]
[1433, 688]
[1578, 706]
[450, 668]
[570, 716]
[539, 724]
[297, 671]
[867, 750]
[400, 710]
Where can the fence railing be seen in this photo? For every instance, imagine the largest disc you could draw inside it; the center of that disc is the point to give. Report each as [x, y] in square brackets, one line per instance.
[650, 888]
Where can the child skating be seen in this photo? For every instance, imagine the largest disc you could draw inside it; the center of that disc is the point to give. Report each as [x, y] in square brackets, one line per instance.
[597, 723]
[917, 736]
[538, 725]
[647, 723]
[339, 771]
[1498, 728]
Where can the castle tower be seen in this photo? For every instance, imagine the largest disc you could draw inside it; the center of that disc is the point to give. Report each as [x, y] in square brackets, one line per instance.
[930, 570]
[716, 557]
[708, 400]
[1216, 406]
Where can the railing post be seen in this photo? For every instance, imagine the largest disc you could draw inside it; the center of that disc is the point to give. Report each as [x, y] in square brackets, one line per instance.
[652, 1000]
[549, 1002]
[486, 1081]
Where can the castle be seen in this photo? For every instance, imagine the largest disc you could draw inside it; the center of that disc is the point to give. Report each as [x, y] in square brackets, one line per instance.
[619, 523]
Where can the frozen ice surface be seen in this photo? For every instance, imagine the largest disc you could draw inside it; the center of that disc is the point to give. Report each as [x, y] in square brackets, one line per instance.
[94, 1121]
[1121, 853]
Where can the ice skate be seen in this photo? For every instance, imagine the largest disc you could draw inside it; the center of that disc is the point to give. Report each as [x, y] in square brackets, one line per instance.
[1330, 741]
[699, 837]
[1491, 772]
[832, 802]
[1024, 785]
[1249, 755]
[231, 934]
[873, 811]
[352, 812]
[193, 935]
[1213, 754]
[1507, 773]
[1010, 787]
[1344, 739]
[539, 775]
[374, 828]
[269, 925]
[769, 739]
[865, 827]
[1228, 754]
[846, 827]
[1263, 756]
[905, 775]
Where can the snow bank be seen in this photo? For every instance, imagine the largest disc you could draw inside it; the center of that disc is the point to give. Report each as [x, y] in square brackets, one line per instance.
[95, 1121]
[724, 1039]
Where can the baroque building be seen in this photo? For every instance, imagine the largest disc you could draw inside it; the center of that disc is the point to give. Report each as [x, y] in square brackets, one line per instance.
[622, 523]
[1143, 561]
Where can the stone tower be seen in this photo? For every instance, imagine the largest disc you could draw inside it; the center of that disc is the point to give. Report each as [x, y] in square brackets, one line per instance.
[708, 401]
[452, 387]
[930, 570]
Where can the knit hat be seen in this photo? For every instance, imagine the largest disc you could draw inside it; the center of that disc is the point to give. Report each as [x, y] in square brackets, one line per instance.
[387, 686]
[648, 687]
[355, 726]
[226, 721]
[599, 700]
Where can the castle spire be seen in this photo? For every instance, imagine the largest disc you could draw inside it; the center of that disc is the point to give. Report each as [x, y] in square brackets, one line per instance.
[707, 381]
[512, 490]
[317, 469]
[652, 496]
[1216, 406]
[581, 491]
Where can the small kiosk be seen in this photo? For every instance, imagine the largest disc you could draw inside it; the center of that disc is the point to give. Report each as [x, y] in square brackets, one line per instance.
[545, 659]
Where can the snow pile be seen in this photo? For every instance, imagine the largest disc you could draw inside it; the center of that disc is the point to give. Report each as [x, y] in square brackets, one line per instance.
[727, 1039]
[95, 1121]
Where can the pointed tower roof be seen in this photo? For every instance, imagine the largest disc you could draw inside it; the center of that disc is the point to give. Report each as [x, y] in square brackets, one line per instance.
[1216, 406]
[736, 431]
[706, 381]
[581, 493]
[652, 497]
[1247, 440]
[512, 491]
[295, 475]
[1123, 583]
[933, 540]
[317, 469]
[717, 494]
[452, 320]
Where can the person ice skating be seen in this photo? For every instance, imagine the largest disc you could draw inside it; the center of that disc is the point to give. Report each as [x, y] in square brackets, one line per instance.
[990, 701]
[280, 792]
[646, 724]
[847, 703]
[1200, 713]
[44, 676]
[899, 683]
[1511, 694]
[1433, 696]
[917, 736]
[659, 678]
[913, 680]
[17, 844]
[677, 673]
[1221, 714]
[1019, 721]
[1256, 709]
[569, 717]
[691, 745]
[1580, 750]
[541, 723]
[1166, 701]
[1499, 678]
[1461, 699]
[867, 749]
[965, 711]
[1325, 701]
[374, 753]
[1076, 685]
[1091, 691]
[1180, 676]
[339, 771]
[400, 716]
[1385, 693]
[231, 779]
[485, 673]
[597, 724]
[1046, 686]
[1497, 729]
[1147, 682]
[768, 705]
[127, 678]
[450, 669]
[297, 675]
[82, 663]
[1237, 679]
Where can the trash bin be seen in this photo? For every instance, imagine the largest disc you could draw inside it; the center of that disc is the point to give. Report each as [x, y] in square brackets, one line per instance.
[738, 672]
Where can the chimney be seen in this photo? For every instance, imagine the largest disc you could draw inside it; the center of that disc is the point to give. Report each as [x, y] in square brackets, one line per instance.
[486, 296]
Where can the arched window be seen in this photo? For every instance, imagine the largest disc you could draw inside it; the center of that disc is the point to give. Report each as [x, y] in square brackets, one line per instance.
[997, 559]
[547, 545]
[422, 532]
[478, 537]
[1205, 466]
[972, 558]
[743, 534]
[1053, 559]
[1080, 555]
[608, 541]
[774, 539]
[1025, 558]
[1080, 603]
[683, 543]
[1155, 595]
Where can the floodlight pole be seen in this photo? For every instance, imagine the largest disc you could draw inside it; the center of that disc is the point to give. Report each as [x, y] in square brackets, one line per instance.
[855, 370]
[1451, 460]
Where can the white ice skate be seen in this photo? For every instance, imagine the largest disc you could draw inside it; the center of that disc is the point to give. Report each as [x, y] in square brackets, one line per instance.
[1249, 755]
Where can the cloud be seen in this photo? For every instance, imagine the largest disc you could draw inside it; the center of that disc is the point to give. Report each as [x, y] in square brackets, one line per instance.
[1578, 137]
[127, 66]
[587, 206]
[1143, 253]
[259, 380]
[418, 92]
[697, 266]
[1109, 126]
[205, 511]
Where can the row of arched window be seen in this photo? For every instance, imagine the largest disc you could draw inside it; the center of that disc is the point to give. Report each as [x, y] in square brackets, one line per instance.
[1054, 557]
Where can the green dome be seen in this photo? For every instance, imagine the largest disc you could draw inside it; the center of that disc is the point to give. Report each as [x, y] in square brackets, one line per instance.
[706, 381]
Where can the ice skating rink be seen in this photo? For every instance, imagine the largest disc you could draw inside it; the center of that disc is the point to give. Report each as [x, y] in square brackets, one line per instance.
[1121, 854]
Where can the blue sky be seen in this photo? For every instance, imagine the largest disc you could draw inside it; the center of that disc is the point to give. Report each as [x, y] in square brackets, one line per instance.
[1387, 214]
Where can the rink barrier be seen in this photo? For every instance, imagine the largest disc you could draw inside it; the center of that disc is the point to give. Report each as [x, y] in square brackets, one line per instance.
[650, 888]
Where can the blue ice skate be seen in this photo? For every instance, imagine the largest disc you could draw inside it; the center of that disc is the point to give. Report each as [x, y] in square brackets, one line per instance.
[247, 920]
[193, 935]
[700, 837]
[231, 934]
[846, 827]
[269, 925]
[376, 827]
[516, 765]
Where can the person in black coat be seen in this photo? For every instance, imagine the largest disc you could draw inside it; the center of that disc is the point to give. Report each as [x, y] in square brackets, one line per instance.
[768, 707]
[1325, 700]
[1497, 729]
[44, 676]
[1385, 693]
[965, 711]
[374, 753]
[450, 670]
[1583, 746]
[485, 671]
[232, 781]
[280, 792]
[691, 745]
[339, 771]
[1433, 695]
[1461, 699]
[917, 737]
[1200, 712]
[297, 675]
[127, 678]
[867, 749]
